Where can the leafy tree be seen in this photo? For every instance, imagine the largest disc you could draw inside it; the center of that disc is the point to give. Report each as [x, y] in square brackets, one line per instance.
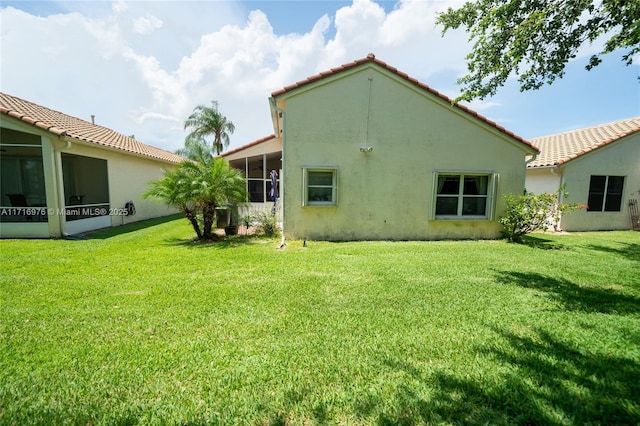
[208, 121]
[197, 189]
[529, 212]
[534, 39]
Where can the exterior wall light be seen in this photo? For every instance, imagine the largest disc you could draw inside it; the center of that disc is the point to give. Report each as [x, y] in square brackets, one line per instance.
[366, 148]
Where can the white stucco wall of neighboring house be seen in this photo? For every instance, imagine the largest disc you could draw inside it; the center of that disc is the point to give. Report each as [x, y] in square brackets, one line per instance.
[387, 193]
[543, 180]
[620, 158]
[128, 176]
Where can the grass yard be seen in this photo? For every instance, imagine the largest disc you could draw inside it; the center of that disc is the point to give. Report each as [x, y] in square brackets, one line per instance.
[140, 326]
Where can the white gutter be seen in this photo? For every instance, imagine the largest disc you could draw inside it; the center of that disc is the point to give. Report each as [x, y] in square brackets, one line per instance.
[281, 133]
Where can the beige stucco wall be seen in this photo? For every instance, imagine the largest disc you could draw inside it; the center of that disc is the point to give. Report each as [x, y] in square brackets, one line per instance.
[621, 158]
[543, 180]
[266, 147]
[389, 192]
[128, 177]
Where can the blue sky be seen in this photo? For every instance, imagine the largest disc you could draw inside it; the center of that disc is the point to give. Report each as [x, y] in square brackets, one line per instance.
[141, 67]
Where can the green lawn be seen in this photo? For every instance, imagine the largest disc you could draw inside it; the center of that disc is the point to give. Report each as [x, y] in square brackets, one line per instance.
[142, 326]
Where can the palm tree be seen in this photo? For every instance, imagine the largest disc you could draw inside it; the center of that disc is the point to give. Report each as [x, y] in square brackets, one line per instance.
[197, 189]
[177, 188]
[196, 149]
[219, 185]
[208, 121]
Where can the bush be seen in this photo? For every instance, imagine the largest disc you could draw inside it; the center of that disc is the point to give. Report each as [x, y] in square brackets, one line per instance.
[265, 223]
[530, 212]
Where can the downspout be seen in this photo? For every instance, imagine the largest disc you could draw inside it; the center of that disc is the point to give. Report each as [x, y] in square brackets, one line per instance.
[527, 162]
[272, 101]
[60, 182]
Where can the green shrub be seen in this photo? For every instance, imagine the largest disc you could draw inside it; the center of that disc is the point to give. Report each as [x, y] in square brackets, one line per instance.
[265, 223]
[530, 212]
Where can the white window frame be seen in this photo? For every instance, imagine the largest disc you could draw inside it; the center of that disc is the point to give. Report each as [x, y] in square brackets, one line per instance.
[492, 186]
[305, 187]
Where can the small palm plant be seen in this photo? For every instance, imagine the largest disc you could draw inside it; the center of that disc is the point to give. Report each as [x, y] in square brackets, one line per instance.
[197, 189]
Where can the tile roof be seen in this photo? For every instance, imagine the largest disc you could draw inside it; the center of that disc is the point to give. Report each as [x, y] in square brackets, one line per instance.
[372, 58]
[559, 148]
[249, 145]
[65, 125]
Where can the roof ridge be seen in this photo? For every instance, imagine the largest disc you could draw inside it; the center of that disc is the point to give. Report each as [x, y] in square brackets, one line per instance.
[593, 127]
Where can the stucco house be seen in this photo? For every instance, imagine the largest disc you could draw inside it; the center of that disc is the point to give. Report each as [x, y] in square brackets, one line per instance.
[61, 175]
[368, 152]
[600, 166]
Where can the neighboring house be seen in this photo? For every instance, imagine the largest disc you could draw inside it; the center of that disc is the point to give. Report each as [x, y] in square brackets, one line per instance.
[61, 175]
[600, 166]
[370, 153]
[257, 160]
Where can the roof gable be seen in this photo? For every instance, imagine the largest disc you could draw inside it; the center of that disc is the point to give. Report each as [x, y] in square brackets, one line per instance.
[559, 148]
[371, 59]
[62, 124]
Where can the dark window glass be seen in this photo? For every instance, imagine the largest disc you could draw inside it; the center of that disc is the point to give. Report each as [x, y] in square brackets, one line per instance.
[447, 206]
[613, 201]
[474, 206]
[256, 190]
[605, 193]
[448, 185]
[476, 185]
[321, 178]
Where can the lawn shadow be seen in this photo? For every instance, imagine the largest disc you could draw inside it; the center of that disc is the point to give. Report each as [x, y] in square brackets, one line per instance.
[573, 297]
[103, 234]
[221, 242]
[536, 241]
[629, 251]
[546, 381]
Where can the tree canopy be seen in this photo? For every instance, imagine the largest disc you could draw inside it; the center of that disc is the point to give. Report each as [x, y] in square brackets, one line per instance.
[534, 39]
[207, 121]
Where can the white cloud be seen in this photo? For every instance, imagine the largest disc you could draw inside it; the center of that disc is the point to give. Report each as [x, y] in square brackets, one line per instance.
[193, 53]
[146, 24]
[238, 63]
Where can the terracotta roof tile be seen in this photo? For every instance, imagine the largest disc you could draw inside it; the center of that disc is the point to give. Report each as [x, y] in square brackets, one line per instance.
[372, 58]
[560, 148]
[65, 125]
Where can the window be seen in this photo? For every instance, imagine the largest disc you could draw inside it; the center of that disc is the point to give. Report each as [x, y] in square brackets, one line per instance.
[319, 186]
[605, 193]
[86, 186]
[22, 181]
[463, 195]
